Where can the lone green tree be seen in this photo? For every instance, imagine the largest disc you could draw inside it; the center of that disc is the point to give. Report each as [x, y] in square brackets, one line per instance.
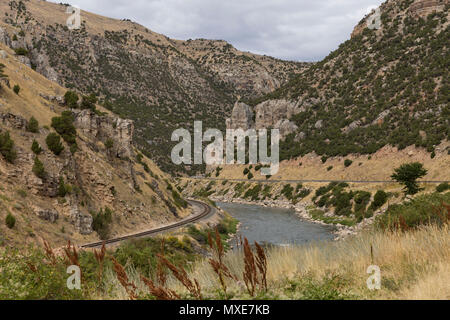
[71, 99]
[10, 221]
[38, 168]
[407, 174]
[54, 143]
[33, 125]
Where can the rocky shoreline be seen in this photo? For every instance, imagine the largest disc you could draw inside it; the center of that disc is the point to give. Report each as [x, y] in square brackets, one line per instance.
[340, 231]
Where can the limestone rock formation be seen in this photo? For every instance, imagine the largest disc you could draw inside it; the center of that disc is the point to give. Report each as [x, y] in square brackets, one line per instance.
[82, 222]
[286, 127]
[4, 37]
[13, 121]
[422, 8]
[106, 127]
[241, 117]
[269, 113]
[50, 215]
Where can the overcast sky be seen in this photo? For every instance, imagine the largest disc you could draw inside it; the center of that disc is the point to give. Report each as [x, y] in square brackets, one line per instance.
[302, 30]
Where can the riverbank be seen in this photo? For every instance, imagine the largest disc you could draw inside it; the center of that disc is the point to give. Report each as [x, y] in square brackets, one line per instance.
[303, 211]
[275, 226]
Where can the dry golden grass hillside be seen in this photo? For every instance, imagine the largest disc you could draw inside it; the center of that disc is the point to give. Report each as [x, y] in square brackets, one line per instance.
[136, 190]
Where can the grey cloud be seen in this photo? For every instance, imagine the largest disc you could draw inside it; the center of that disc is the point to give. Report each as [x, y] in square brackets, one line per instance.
[302, 30]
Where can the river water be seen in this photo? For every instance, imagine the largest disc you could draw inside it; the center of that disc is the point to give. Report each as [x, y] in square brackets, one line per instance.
[275, 226]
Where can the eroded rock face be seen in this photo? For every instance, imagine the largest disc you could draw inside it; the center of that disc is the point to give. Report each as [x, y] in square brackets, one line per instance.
[24, 60]
[81, 221]
[105, 127]
[241, 117]
[286, 127]
[50, 215]
[423, 8]
[4, 37]
[44, 68]
[269, 113]
[13, 121]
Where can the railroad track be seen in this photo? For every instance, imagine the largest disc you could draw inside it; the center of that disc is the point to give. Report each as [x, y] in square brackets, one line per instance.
[306, 181]
[206, 211]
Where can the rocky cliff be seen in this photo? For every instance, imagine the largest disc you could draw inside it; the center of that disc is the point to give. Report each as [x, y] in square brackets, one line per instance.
[160, 83]
[383, 87]
[101, 188]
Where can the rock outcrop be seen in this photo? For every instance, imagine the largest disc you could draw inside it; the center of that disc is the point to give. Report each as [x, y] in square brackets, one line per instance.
[50, 215]
[13, 121]
[105, 127]
[4, 37]
[272, 114]
[286, 127]
[82, 222]
[242, 117]
[422, 8]
[269, 113]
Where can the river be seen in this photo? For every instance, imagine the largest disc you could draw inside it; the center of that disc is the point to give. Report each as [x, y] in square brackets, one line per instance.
[275, 226]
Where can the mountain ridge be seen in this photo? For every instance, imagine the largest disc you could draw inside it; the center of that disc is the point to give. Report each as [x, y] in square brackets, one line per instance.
[160, 83]
[381, 87]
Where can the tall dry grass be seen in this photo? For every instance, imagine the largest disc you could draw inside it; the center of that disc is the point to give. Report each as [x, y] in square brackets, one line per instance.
[414, 265]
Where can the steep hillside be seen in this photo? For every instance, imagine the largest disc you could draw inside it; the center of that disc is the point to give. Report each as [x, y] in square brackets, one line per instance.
[97, 186]
[160, 83]
[385, 87]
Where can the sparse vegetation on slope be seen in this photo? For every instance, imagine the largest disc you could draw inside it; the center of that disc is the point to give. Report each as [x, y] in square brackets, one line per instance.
[387, 86]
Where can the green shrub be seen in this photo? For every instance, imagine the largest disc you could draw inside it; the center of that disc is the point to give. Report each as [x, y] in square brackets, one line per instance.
[21, 51]
[63, 189]
[10, 221]
[250, 176]
[379, 200]
[2, 75]
[16, 89]
[33, 125]
[88, 102]
[179, 201]
[46, 282]
[71, 99]
[343, 207]
[142, 253]
[73, 148]
[101, 223]
[348, 163]
[287, 191]
[53, 141]
[443, 187]
[253, 193]
[330, 168]
[38, 168]
[109, 144]
[425, 209]
[7, 147]
[304, 193]
[64, 126]
[361, 199]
